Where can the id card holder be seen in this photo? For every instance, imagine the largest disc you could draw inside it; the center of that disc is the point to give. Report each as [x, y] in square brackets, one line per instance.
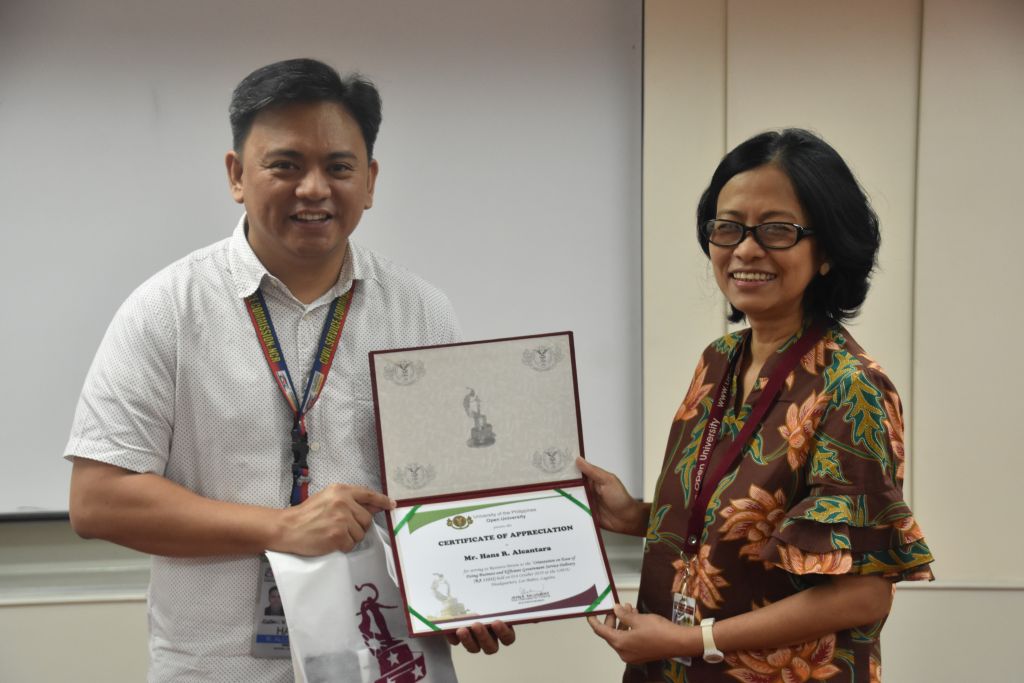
[684, 609]
[270, 635]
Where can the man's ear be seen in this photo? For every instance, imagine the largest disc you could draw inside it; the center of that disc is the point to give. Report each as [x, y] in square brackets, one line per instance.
[233, 162]
[371, 182]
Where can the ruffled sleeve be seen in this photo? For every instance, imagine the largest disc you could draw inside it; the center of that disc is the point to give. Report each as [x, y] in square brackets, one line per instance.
[854, 519]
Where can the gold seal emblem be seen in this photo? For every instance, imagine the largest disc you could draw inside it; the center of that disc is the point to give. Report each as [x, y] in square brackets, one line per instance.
[460, 521]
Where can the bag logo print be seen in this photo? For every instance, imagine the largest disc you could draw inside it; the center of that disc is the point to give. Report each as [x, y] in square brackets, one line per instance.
[397, 662]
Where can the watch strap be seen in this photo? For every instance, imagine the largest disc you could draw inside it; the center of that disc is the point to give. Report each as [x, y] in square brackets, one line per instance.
[712, 654]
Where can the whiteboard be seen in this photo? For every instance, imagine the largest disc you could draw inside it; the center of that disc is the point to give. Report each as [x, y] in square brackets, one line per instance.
[510, 177]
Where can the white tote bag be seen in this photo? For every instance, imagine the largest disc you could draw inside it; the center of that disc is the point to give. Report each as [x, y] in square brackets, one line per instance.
[346, 621]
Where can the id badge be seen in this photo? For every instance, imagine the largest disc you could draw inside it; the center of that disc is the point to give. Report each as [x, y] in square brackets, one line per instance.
[270, 635]
[684, 608]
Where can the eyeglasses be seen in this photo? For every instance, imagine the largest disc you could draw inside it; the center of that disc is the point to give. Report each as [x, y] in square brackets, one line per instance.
[723, 233]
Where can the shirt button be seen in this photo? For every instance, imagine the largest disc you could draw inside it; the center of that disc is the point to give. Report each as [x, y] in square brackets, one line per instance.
[314, 446]
[692, 540]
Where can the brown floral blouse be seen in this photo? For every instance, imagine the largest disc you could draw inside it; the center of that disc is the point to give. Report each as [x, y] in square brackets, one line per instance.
[817, 491]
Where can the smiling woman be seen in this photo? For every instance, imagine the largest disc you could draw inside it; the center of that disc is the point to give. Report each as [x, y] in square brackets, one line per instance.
[767, 283]
[778, 522]
[808, 177]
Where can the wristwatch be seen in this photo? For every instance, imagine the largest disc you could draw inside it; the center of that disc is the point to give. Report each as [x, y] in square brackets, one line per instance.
[712, 655]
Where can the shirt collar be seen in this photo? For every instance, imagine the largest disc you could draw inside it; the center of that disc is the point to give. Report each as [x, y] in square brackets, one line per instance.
[249, 273]
[246, 269]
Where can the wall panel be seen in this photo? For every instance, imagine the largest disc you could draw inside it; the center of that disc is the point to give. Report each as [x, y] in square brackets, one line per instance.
[510, 178]
[924, 100]
[967, 368]
[684, 137]
[847, 71]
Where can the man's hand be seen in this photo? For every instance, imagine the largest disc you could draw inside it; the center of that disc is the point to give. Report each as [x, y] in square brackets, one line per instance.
[477, 637]
[333, 519]
[616, 509]
[152, 514]
[639, 638]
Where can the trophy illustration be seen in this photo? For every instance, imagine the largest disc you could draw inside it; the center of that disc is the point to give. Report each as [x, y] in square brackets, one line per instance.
[482, 433]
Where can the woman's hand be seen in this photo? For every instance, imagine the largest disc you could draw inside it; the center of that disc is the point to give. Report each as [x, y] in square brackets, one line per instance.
[639, 638]
[616, 510]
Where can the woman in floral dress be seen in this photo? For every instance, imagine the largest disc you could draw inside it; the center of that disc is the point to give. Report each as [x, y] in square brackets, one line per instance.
[771, 554]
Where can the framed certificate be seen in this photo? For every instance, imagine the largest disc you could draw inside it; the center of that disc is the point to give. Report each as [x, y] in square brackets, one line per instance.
[478, 443]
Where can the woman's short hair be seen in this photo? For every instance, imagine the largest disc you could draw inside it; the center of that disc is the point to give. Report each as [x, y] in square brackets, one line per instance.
[845, 226]
[303, 80]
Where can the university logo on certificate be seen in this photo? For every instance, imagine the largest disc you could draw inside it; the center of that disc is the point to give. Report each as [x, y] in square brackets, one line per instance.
[478, 443]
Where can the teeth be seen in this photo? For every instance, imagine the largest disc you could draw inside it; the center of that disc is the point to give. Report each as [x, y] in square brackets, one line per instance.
[753, 277]
[310, 216]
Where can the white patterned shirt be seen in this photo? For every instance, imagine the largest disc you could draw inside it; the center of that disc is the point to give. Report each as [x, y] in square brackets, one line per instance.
[180, 387]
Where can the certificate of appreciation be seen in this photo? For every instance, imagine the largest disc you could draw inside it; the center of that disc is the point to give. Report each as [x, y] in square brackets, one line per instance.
[517, 557]
[478, 444]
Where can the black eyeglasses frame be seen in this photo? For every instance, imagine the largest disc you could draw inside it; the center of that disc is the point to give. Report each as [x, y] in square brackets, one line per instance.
[708, 227]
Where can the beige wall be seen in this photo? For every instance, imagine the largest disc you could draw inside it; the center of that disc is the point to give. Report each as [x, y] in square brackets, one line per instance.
[684, 91]
[967, 288]
[77, 641]
[717, 73]
[97, 641]
[107, 642]
[74, 610]
[923, 98]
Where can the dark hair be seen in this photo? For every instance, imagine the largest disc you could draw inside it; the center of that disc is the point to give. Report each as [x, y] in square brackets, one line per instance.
[303, 80]
[844, 224]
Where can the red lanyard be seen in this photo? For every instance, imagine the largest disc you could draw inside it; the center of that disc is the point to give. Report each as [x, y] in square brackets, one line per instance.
[704, 488]
[329, 338]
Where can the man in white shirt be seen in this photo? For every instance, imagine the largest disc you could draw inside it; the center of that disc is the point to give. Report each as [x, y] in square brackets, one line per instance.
[184, 445]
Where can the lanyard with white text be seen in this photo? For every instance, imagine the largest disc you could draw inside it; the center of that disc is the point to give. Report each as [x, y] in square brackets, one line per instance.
[703, 489]
[329, 338]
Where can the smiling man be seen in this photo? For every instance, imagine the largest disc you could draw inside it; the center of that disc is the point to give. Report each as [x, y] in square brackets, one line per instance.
[228, 410]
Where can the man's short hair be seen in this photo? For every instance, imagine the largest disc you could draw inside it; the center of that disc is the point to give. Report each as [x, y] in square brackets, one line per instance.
[303, 80]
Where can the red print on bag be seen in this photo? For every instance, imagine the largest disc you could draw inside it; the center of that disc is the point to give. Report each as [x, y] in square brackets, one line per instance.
[398, 664]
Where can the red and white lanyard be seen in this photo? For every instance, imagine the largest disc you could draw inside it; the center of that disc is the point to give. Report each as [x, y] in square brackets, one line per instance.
[329, 339]
[702, 487]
